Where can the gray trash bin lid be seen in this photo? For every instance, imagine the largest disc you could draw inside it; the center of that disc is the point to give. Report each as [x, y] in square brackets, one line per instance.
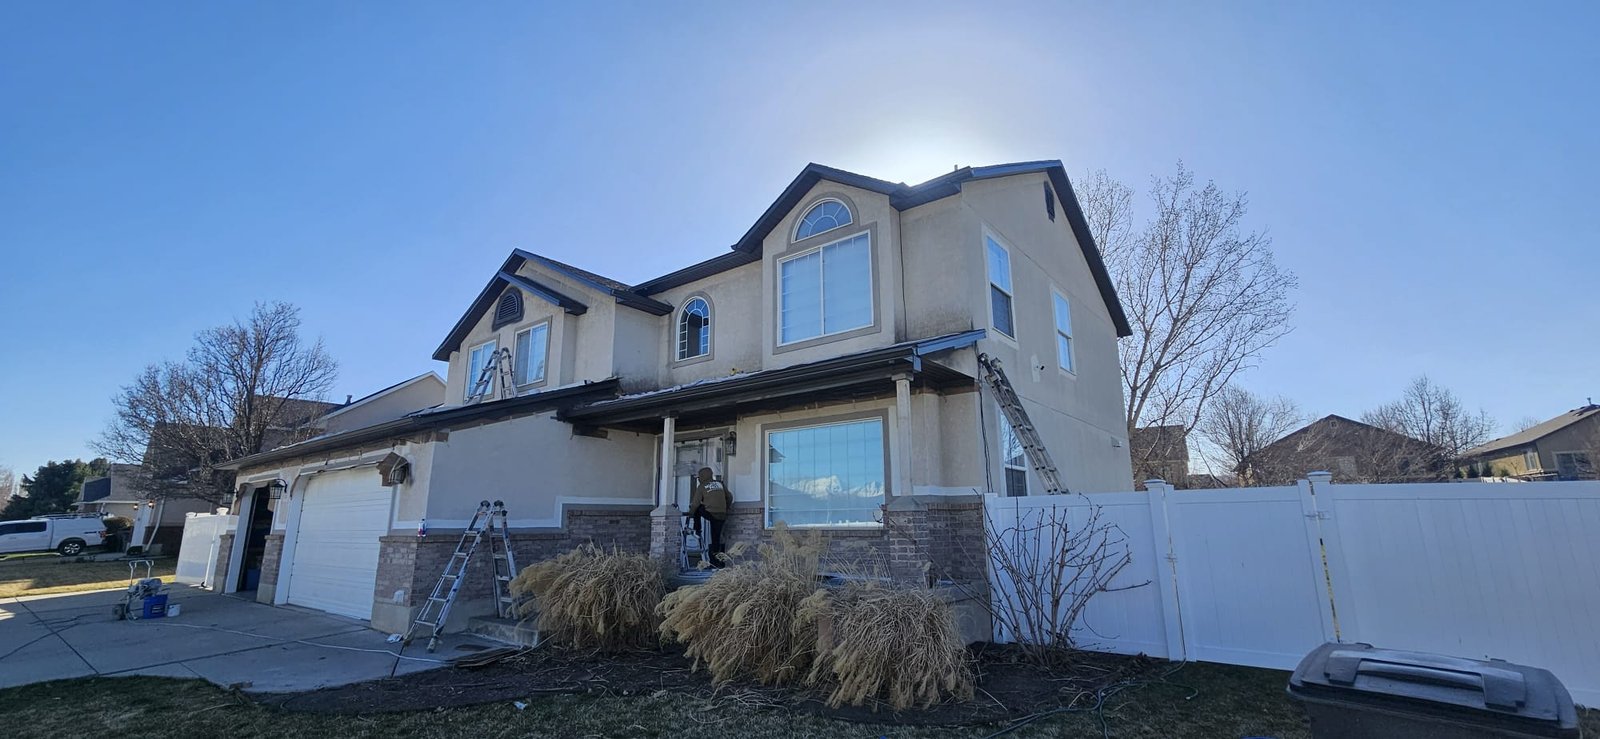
[1492, 692]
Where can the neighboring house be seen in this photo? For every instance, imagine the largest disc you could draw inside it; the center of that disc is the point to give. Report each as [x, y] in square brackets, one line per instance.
[423, 391]
[824, 368]
[156, 523]
[1566, 447]
[1353, 451]
[1160, 453]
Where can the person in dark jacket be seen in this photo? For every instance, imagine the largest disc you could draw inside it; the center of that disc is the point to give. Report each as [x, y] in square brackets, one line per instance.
[711, 501]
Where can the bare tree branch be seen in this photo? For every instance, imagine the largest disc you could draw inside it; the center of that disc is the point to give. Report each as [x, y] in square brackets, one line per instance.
[243, 388]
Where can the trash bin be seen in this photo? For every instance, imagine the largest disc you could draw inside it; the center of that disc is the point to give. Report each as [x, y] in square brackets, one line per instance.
[1356, 691]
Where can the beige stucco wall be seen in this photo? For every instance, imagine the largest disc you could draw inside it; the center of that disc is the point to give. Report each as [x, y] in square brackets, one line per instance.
[534, 463]
[1080, 415]
[425, 393]
[410, 497]
[736, 319]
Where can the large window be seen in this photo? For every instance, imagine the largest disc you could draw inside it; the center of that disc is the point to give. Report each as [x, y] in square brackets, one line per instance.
[1574, 466]
[823, 217]
[1000, 294]
[1012, 460]
[533, 345]
[1063, 332]
[826, 475]
[826, 290]
[694, 329]
[480, 357]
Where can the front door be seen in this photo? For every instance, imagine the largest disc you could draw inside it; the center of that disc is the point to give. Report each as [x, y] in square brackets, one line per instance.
[688, 459]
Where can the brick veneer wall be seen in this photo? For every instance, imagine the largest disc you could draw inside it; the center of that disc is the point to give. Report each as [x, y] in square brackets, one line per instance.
[411, 565]
[924, 537]
[224, 555]
[270, 558]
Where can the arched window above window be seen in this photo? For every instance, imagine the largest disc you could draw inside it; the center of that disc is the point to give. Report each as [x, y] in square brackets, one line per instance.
[694, 329]
[824, 216]
[509, 308]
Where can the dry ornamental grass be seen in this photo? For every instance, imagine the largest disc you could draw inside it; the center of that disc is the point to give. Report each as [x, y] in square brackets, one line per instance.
[591, 598]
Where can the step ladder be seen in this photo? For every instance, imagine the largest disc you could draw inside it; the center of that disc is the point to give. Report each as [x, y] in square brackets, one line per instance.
[491, 520]
[1011, 406]
[498, 378]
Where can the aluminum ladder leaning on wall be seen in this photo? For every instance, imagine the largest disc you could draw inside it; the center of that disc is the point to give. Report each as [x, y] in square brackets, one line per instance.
[1011, 405]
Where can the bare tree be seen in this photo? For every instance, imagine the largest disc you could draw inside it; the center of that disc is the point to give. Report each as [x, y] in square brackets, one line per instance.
[1433, 415]
[1203, 296]
[1237, 424]
[243, 388]
[1525, 423]
[8, 483]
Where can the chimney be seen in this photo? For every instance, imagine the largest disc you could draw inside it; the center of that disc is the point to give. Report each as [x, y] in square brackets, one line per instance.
[348, 398]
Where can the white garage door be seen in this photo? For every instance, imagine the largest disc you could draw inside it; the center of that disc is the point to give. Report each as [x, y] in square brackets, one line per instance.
[336, 552]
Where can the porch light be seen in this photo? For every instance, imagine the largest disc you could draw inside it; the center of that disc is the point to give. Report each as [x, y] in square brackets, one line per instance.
[276, 488]
[730, 444]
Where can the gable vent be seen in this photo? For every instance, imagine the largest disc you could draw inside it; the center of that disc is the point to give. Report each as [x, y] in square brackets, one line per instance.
[509, 308]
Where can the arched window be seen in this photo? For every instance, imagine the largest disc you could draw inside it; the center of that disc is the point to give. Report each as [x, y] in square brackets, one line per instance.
[824, 216]
[694, 329]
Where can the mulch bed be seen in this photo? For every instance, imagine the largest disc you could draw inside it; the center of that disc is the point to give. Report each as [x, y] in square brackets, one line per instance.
[1008, 688]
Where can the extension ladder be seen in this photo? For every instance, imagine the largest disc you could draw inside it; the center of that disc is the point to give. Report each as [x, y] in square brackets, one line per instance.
[501, 369]
[1011, 406]
[436, 609]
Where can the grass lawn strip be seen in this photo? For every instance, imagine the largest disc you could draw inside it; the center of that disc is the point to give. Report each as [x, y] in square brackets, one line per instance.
[52, 574]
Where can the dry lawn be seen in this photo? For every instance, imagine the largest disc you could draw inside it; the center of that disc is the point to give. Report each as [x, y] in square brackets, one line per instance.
[49, 574]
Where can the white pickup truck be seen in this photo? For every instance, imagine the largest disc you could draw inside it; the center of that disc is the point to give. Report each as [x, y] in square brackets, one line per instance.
[68, 535]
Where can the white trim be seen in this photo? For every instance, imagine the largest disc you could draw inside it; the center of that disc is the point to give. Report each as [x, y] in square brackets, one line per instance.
[1011, 277]
[822, 286]
[383, 393]
[1055, 325]
[794, 233]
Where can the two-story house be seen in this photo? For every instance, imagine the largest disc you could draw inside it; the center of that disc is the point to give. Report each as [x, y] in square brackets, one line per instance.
[824, 368]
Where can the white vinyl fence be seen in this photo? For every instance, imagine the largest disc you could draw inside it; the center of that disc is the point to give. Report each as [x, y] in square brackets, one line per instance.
[1260, 576]
[197, 558]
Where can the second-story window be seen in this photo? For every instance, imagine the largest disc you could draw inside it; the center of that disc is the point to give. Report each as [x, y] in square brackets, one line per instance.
[478, 359]
[694, 329]
[1063, 332]
[533, 345]
[823, 217]
[826, 290]
[1000, 295]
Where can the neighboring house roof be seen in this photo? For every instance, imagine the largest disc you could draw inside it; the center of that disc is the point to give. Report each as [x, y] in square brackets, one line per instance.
[397, 387]
[1161, 443]
[96, 489]
[296, 412]
[432, 418]
[1533, 434]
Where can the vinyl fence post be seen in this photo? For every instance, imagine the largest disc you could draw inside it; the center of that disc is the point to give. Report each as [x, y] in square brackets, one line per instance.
[1316, 550]
[1347, 625]
[1166, 569]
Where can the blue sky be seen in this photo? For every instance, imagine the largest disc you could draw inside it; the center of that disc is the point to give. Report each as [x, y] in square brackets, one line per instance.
[1424, 168]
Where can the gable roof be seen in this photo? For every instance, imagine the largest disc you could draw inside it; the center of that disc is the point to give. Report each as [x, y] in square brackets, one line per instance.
[904, 197]
[624, 294]
[1348, 425]
[506, 276]
[1534, 433]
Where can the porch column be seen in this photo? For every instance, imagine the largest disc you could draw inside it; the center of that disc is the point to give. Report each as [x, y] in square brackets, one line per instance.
[669, 430]
[666, 521]
[902, 456]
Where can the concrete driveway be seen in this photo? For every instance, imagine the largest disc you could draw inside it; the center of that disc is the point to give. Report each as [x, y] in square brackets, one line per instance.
[221, 638]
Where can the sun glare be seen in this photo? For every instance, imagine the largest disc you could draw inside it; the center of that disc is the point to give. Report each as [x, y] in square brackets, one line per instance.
[916, 156]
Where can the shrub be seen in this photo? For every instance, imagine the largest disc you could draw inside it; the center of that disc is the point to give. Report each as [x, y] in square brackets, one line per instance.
[589, 597]
[891, 641]
[741, 623]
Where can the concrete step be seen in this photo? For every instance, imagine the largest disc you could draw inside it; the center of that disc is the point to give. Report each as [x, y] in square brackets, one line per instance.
[509, 631]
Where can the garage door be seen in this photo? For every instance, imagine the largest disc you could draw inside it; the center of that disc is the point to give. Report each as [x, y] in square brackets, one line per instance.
[336, 551]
